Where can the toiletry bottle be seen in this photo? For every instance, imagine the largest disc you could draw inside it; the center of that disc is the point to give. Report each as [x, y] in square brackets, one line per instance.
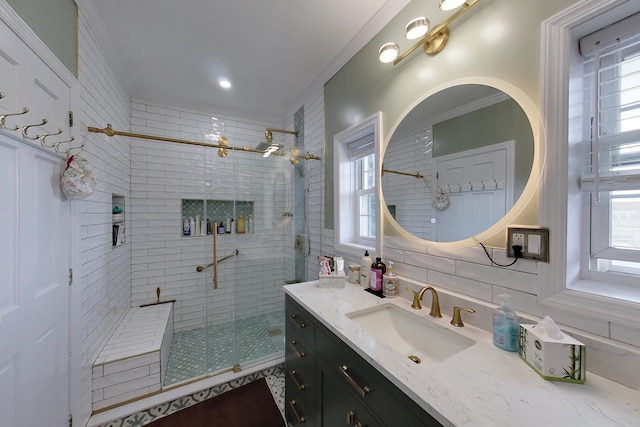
[505, 326]
[198, 230]
[390, 282]
[365, 269]
[241, 224]
[232, 227]
[208, 226]
[185, 228]
[221, 228]
[192, 227]
[250, 224]
[377, 271]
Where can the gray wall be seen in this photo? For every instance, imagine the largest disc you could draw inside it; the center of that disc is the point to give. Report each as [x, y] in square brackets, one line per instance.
[497, 39]
[56, 23]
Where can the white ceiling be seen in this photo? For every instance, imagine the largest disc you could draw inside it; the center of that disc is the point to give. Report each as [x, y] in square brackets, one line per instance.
[273, 51]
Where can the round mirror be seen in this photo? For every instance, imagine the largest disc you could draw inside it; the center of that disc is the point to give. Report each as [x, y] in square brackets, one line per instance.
[457, 162]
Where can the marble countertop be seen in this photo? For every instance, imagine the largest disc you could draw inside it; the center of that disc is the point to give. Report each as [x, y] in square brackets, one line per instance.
[479, 386]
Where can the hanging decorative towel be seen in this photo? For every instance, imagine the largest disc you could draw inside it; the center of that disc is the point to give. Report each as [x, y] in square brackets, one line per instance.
[77, 181]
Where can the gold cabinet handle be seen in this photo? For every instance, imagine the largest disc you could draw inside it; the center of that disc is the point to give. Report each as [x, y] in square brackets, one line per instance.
[298, 384]
[292, 405]
[362, 390]
[351, 417]
[294, 318]
[298, 352]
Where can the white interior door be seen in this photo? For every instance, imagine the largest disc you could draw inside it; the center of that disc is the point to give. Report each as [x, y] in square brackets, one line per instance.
[479, 184]
[34, 295]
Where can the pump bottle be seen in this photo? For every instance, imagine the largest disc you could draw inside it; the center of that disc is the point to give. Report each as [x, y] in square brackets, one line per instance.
[390, 282]
[505, 325]
[365, 269]
[377, 271]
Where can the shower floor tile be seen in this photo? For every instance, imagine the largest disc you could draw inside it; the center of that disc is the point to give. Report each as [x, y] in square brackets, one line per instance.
[208, 350]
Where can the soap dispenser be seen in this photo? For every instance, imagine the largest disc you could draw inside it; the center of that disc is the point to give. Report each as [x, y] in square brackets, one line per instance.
[390, 282]
[378, 269]
[505, 325]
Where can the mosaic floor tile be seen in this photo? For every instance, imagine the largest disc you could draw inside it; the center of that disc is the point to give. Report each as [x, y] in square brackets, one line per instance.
[207, 350]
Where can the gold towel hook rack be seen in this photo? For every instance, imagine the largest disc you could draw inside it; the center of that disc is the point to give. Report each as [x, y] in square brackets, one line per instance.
[45, 136]
[70, 149]
[3, 119]
[26, 128]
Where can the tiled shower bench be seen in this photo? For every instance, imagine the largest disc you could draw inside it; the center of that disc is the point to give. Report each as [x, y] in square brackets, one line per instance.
[134, 361]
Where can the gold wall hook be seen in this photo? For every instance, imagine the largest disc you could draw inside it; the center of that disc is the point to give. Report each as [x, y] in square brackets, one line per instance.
[26, 128]
[3, 118]
[45, 136]
[70, 149]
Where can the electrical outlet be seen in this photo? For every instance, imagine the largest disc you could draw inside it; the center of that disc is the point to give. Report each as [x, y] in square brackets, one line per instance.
[517, 239]
[534, 242]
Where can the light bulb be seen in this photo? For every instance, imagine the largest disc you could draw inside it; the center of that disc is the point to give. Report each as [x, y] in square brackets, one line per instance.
[388, 52]
[451, 4]
[416, 28]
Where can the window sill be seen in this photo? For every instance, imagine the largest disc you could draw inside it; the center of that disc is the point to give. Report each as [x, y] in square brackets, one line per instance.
[592, 298]
[354, 249]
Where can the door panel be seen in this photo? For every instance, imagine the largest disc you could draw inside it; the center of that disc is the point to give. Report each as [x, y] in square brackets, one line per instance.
[34, 300]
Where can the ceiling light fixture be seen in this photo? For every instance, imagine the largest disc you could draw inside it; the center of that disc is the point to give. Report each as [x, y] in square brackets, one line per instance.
[225, 84]
[432, 41]
[416, 28]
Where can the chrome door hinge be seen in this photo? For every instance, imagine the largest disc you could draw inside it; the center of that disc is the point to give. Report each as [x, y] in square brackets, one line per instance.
[70, 276]
[70, 119]
[70, 421]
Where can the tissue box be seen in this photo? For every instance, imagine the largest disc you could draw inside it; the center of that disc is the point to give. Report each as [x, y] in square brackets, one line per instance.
[332, 281]
[553, 359]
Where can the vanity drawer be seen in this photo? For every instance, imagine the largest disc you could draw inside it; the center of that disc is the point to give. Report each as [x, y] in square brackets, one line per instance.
[299, 323]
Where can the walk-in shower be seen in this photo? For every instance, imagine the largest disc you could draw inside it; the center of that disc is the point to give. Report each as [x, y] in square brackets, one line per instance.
[217, 227]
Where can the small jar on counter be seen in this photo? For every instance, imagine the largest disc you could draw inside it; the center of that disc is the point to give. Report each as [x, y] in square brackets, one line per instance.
[354, 273]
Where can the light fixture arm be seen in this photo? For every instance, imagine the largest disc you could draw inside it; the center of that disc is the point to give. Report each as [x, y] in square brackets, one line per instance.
[435, 40]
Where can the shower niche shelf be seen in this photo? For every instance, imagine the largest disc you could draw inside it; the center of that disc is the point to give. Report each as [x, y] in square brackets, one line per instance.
[210, 211]
[117, 219]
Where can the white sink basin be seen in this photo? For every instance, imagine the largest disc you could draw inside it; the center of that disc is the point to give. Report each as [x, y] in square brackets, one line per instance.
[422, 340]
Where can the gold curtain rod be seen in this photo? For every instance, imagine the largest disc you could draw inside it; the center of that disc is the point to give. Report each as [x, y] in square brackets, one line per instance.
[415, 175]
[221, 145]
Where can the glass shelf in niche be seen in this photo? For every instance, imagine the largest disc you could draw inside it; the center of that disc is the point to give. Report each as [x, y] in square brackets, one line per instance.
[232, 217]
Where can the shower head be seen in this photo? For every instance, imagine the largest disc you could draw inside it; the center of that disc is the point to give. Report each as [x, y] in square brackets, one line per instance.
[265, 145]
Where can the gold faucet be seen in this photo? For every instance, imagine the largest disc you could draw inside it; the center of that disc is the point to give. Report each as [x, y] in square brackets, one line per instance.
[435, 302]
[457, 319]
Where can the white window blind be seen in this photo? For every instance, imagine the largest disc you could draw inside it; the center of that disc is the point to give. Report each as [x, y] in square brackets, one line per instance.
[612, 101]
[361, 147]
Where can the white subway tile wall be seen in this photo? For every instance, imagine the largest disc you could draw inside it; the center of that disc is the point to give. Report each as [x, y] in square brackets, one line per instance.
[165, 173]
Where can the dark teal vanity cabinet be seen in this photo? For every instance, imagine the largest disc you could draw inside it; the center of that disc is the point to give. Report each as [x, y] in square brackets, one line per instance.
[330, 385]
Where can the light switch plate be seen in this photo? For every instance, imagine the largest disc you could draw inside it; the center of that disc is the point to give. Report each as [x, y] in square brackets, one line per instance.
[534, 242]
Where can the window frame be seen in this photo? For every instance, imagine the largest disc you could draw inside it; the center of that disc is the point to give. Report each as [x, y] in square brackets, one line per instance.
[562, 205]
[345, 209]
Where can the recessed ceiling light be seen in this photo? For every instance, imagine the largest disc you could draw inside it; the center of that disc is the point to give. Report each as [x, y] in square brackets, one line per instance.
[225, 84]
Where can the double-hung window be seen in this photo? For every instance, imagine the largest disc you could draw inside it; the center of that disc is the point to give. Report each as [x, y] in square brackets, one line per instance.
[362, 158]
[609, 156]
